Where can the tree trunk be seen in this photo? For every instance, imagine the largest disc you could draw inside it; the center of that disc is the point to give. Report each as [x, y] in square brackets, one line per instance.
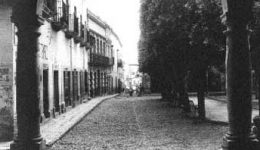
[184, 98]
[201, 94]
[166, 91]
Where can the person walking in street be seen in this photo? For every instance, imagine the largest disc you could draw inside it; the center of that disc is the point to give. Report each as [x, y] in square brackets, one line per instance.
[131, 91]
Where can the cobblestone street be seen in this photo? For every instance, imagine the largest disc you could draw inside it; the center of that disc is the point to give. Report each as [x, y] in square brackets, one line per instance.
[140, 123]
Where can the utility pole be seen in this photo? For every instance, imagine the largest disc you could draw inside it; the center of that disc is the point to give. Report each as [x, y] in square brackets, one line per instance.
[26, 19]
[237, 14]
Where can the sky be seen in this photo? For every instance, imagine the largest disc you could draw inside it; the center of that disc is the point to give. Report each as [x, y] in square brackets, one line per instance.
[123, 17]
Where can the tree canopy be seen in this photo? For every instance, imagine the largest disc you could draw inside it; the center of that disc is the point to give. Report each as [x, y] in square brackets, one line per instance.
[180, 38]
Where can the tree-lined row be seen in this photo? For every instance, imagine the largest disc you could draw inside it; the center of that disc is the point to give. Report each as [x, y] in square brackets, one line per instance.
[180, 40]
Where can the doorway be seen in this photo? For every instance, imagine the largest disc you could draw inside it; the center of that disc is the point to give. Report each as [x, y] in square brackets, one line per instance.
[75, 85]
[67, 88]
[56, 91]
[46, 105]
[86, 83]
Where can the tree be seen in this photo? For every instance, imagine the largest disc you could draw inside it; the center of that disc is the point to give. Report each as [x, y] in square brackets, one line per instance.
[161, 45]
[207, 43]
[180, 38]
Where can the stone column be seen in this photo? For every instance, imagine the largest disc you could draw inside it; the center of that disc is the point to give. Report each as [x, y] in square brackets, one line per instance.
[28, 77]
[237, 15]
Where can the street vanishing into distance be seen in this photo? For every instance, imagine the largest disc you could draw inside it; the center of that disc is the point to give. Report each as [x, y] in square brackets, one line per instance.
[141, 123]
[129, 74]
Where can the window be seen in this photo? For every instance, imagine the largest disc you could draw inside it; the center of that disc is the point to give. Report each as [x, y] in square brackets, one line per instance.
[104, 48]
[65, 12]
[101, 48]
[82, 28]
[58, 12]
[49, 7]
[76, 21]
[112, 51]
[97, 45]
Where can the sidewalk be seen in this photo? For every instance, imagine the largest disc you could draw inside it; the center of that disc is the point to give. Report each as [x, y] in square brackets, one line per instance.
[216, 110]
[224, 99]
[55, 128]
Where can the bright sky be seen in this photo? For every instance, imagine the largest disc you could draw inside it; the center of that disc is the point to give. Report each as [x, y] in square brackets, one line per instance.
[123, 17]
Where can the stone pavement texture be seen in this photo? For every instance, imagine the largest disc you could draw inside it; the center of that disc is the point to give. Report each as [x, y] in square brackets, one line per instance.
[55, 128]
[217, 110]
[140, 123]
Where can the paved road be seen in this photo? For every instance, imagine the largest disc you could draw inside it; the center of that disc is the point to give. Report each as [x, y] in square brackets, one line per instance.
[144, 123]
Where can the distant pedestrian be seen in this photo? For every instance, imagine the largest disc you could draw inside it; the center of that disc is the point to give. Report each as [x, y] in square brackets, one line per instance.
[131, 91]
[141, 90]
[123, 91]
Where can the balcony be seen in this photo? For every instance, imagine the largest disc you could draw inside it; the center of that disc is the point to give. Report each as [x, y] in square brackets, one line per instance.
[77, 37]
[69, 34]
[69, 30]
[47, 9]
[87, 45]
[81, 38]
[61, 17]
[83, 41]
[120, 63]
[111, 61]
[72, 31]
[90, 41]
[97, 60]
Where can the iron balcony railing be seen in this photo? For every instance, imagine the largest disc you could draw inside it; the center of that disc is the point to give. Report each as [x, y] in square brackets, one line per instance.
[98, 60]
[111, 61]
[120, 63]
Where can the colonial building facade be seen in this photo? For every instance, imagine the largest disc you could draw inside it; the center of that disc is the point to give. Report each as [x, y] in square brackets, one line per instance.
[78, 59]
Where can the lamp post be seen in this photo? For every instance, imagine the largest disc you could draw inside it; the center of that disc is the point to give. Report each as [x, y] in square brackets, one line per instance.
[237, 14]
[28, 22]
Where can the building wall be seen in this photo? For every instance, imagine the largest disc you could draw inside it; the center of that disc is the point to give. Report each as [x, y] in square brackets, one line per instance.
[6, 73]
[58, 55]
[97, 28]
[117, 48]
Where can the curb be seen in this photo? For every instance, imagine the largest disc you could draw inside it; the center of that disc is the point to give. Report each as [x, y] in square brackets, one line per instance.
[92, 104]
[223, 123]
[49, 144]
[224, 101]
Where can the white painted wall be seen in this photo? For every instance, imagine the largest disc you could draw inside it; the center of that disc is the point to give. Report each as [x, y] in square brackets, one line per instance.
[97, 28]
[117, 47]
[56, 52]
